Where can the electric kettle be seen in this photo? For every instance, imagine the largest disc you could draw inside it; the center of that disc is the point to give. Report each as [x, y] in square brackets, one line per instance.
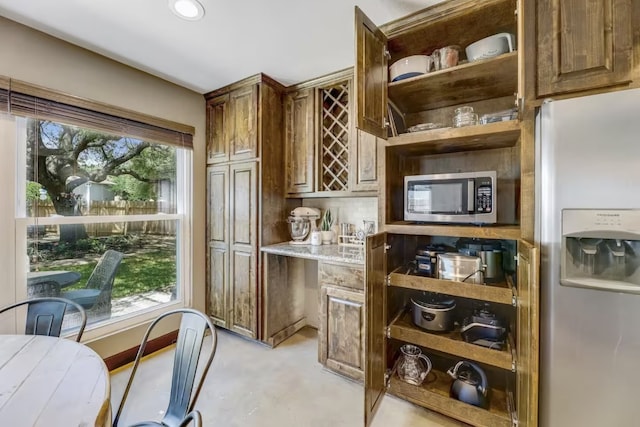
[470, 384]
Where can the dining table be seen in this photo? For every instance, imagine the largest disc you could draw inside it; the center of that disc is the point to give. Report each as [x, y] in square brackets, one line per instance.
[54, 382]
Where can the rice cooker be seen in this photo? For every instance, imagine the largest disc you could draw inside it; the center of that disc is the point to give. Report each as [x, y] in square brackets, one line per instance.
[433, 312]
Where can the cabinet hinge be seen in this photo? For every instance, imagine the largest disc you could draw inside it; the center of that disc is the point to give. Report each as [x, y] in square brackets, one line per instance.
[519, 103]
[512, 409]
[514, 357]
[387, 280]
[385, 122]
[386, 247]
[387, 378]
[387, 332]
[387, 54]
[515, 12]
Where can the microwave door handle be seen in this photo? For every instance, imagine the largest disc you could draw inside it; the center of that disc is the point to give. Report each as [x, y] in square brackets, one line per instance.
[471, 200]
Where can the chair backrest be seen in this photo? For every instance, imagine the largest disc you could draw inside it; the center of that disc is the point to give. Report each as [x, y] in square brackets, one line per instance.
[185, 388]
[104, 274]
[45, 315]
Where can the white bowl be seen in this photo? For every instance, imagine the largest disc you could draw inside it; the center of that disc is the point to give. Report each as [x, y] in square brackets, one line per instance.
[491, 46]
[410, 66]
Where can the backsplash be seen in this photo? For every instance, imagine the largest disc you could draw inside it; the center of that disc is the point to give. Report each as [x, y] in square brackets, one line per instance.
[348, 209]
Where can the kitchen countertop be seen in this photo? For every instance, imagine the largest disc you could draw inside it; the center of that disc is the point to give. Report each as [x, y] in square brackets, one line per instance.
[335, 253]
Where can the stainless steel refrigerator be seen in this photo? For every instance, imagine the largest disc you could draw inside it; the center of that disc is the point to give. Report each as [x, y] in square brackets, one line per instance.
[588, 227]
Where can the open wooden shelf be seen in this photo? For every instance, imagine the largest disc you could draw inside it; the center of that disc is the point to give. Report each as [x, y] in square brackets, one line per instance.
[509, 232]
[434, 394]
[470, 82]
[449, 140]
[499, 293]
[450, 342]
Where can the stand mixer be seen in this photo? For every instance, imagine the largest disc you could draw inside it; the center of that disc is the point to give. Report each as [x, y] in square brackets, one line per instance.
[301, 223]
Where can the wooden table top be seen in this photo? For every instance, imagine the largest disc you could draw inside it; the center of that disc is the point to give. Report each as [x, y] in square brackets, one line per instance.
[47, 381]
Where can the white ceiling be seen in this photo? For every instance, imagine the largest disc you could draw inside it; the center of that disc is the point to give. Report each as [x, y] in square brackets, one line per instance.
[290, 40]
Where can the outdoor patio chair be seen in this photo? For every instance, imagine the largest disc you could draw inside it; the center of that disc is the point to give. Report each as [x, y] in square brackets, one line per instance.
[45, 315]
[95, 298]
[184, 385]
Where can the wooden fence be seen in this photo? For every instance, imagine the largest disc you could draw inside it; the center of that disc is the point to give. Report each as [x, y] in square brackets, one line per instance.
[113, 208]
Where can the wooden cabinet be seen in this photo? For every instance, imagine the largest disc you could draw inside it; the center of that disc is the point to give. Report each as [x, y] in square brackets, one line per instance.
[341, 328]
[583, 44]
[232, 125]
[245, 204]
[243, 249]
[243, 123]
[232, 235]
[371, 76]
[488, 85]
[512, 369]
[325, 156]
[341, 332]
[364, 173]
[218, 243]
[217, 141]
[299, 141]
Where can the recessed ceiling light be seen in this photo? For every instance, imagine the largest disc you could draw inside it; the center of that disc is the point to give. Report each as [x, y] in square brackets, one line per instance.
[190, 10]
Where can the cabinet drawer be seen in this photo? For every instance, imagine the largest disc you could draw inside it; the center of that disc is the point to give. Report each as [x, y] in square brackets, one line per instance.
[348, 276]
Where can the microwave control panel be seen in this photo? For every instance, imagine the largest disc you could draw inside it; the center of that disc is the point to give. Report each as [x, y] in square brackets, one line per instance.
[484, 195]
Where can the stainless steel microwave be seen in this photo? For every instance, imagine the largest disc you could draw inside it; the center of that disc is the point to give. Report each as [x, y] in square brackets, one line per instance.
[452, 197]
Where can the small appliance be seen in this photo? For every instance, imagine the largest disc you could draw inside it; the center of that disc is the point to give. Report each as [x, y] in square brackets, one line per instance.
[468, 197]
[301, 223]
[484, 328]
[489, 252]
[461, 268]
[470, 384]
[433, 312]
[427, 259]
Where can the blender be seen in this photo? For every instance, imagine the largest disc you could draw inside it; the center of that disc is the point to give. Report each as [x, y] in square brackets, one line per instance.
[301, 223]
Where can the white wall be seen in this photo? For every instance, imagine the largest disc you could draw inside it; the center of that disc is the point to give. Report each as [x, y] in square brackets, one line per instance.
[347, 209]
[40, 59]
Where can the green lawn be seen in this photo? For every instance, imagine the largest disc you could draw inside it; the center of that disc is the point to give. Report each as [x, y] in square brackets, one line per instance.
[143, 272]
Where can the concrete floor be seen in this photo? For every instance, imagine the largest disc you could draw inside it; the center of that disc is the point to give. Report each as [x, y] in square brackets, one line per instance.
[251, 385]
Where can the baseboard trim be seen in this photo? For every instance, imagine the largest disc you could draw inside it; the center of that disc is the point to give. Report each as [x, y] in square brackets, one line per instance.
[128, 356]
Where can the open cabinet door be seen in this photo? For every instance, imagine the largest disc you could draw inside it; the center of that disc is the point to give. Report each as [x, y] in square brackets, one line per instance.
[376, 308]
[527, 346]
[371, 77]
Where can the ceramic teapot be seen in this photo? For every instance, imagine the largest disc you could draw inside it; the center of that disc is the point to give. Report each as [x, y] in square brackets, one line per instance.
[410, 369]
[470, 384]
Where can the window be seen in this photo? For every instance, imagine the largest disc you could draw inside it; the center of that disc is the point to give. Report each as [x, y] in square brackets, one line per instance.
[89, 183]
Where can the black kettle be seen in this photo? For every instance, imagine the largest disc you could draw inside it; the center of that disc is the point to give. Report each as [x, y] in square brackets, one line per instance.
[470, 384]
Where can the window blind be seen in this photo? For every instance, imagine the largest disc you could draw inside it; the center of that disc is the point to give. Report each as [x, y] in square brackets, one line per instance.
[4, 94]
[24, 99]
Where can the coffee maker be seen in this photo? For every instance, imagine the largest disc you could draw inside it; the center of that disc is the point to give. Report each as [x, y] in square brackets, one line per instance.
[301, 223]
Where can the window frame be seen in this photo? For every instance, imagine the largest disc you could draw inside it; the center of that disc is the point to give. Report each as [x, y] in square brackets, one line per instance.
[15, 223]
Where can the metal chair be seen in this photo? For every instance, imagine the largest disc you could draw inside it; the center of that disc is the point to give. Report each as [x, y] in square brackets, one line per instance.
[96, 295]
[184, 385]
[45, 315]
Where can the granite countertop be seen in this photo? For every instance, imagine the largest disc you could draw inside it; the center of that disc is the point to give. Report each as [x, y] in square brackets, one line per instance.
[336, 253]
